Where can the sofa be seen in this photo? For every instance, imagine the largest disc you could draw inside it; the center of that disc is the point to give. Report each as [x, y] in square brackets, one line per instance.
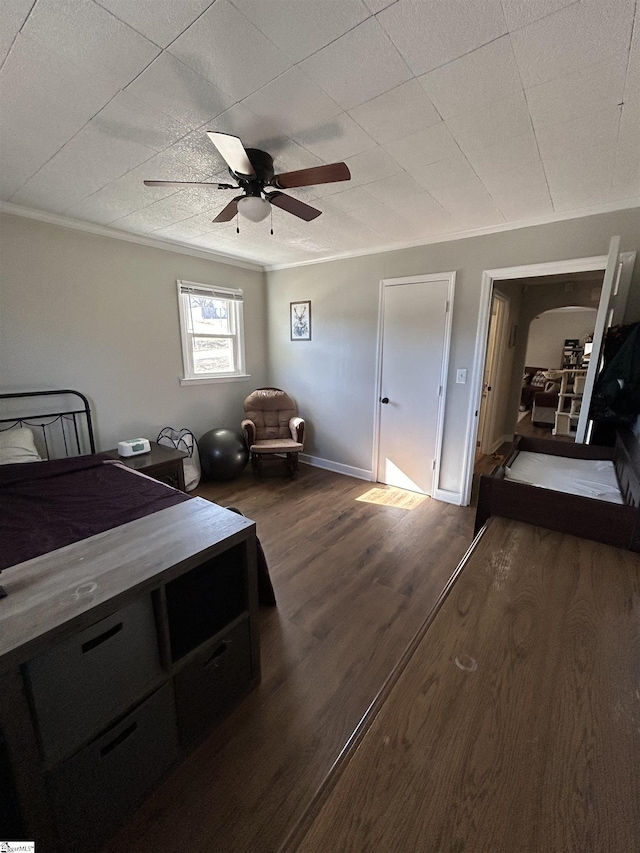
[529, 390]
[540, 394]
[545, 404]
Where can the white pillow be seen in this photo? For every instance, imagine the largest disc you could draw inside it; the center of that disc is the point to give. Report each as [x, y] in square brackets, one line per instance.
[17, 445]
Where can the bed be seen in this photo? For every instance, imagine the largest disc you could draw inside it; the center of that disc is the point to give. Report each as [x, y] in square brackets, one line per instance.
[588, 491]
[47, 503]
[129, 625]
[74, 497]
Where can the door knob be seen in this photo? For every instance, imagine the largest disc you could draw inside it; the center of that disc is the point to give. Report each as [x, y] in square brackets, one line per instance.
[384, 400]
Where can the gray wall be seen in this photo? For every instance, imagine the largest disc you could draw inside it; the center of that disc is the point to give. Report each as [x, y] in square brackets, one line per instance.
[549, 330]
[101, 316]
[333, 376]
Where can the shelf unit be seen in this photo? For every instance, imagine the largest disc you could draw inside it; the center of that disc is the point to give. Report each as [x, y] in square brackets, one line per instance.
[572, 354]
[569, 400]
[103, 695]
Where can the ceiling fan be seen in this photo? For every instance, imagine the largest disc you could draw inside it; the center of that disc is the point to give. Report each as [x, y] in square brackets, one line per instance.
[253, 170]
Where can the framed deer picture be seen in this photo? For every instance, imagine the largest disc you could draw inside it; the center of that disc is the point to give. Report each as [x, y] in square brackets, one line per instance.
[300, 321]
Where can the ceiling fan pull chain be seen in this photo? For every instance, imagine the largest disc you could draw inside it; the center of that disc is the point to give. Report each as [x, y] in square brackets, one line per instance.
[271, 212]
[237, 223]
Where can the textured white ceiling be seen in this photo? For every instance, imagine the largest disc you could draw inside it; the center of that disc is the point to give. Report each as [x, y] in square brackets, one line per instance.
[452, 115]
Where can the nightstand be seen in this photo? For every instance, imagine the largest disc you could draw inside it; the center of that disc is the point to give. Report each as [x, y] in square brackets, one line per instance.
[161, 463]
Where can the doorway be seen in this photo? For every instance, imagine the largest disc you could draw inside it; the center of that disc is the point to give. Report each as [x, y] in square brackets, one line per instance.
[558, 343]
[617, 269]
[413, 359]
[487, 442]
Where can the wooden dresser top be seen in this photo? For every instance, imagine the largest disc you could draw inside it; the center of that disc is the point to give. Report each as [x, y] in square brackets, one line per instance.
[77, 585]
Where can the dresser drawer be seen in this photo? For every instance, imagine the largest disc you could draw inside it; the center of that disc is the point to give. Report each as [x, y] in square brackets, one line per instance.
[102, 784]
[209, 685]
[84, 682]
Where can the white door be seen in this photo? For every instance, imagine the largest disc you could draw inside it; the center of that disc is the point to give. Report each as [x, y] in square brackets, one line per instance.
[415, 337]
[487, 419]
[611, 308]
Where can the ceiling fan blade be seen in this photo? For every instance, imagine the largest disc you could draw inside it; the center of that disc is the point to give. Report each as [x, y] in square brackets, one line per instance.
[227, 213]
[189, 184]
[316, 175]
[292, 205]
[232, 150]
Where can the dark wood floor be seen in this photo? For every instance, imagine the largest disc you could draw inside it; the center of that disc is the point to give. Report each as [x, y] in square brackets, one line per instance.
[354, 581]
[513, 727]
[526, 427]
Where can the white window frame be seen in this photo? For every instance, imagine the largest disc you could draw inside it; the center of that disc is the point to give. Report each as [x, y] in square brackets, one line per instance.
[236, 305]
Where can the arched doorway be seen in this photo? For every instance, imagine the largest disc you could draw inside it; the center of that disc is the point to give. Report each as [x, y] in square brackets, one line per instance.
[558, 339]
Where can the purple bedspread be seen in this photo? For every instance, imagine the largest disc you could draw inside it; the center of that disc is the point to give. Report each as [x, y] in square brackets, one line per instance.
[47, 505]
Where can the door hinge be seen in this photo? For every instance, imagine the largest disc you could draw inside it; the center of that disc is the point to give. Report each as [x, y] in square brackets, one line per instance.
[446, 307]
[433, 467]
[439, 390]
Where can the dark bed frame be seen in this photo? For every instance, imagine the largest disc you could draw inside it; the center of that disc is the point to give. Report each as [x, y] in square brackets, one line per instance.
[588, 518]
[70, 430]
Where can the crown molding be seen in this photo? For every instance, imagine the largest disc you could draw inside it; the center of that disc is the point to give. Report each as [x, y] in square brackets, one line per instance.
[609, 207]
[114, 233]
[234, 260]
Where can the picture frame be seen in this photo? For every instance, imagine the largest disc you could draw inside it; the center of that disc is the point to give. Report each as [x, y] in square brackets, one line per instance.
[300, 320]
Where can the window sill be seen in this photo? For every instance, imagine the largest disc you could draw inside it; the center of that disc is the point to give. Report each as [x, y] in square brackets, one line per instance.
[208, 380]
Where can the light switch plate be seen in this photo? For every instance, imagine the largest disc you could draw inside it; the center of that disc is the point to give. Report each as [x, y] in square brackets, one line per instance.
[461, 376]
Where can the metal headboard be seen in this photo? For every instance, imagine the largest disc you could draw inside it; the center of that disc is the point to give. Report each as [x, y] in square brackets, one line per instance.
[69, 430]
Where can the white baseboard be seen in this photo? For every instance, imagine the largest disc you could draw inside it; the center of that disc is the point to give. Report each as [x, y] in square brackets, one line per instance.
[336, 467]
[447, 496]
[363, 474]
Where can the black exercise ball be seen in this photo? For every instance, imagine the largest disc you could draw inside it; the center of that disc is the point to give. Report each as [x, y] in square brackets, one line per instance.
[223, 454]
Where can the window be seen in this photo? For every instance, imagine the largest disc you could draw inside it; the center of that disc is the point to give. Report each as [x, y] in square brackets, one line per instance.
[212, 330]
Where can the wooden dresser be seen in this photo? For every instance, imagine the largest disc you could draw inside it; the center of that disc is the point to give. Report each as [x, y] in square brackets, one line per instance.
[512, 724]
[117, 654]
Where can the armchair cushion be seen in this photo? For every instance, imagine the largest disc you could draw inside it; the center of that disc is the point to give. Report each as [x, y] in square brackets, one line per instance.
[278, 445]
[270, 409]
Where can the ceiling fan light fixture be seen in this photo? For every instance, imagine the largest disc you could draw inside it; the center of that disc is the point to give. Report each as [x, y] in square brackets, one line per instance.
[254, 208]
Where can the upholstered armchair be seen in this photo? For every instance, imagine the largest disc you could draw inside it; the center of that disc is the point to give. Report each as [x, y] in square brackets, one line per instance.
[272, 429]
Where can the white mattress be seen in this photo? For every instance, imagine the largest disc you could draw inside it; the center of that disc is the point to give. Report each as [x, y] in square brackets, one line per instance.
[591, 478]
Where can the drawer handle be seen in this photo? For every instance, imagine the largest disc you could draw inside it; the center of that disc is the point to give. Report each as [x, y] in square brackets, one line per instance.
[118, 740]
[101, 638]
[220, 652]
